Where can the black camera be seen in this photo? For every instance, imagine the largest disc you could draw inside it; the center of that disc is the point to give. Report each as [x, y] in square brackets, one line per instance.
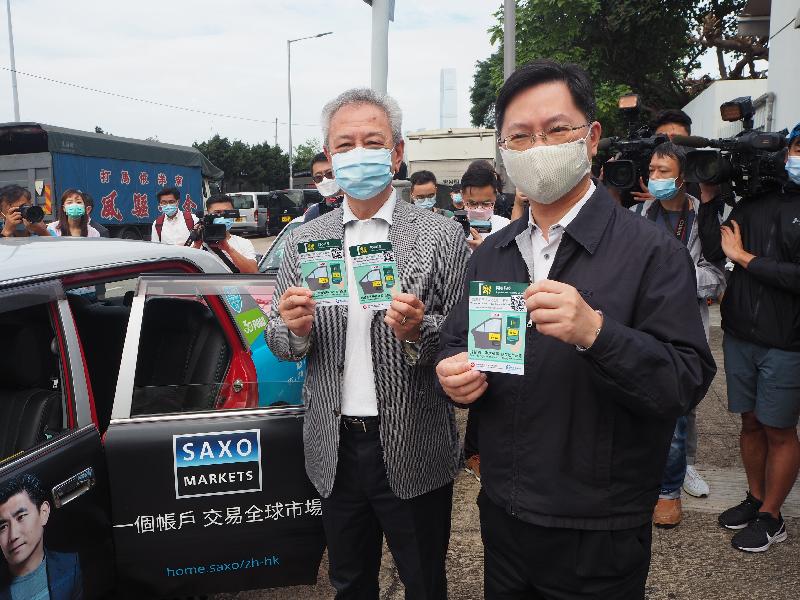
[209, 232]
[32, 214]
[747, 164]
[633, 152]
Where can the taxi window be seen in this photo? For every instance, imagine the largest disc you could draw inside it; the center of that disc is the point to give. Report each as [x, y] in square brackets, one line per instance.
[201, 347]
[32, 372]
[242, 201]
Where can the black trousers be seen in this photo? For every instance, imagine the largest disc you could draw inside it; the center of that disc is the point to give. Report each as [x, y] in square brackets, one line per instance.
[362, 507]
[528, 562]
[471, 435]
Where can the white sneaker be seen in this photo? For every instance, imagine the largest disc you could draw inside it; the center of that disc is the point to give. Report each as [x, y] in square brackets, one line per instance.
[693, 484]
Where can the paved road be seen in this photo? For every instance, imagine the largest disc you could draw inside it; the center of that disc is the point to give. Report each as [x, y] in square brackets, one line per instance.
[695, 560]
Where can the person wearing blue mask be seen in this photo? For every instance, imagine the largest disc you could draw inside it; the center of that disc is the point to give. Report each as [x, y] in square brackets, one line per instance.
[240, 251]
[171, 227]
[670, 206]
[456, 198]
[73, 217]
[380, 447]
[423, 192]
[761, 341]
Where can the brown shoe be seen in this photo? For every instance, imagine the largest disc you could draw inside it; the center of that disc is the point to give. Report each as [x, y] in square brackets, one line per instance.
[473, 465]
[667, 513]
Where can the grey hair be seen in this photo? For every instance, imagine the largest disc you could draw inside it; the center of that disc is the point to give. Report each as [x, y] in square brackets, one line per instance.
[364, 96]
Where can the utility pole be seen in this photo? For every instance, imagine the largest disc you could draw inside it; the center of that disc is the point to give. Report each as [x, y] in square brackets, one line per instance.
[276, 132]
[509, 38]
[13, 63]
[382, 13]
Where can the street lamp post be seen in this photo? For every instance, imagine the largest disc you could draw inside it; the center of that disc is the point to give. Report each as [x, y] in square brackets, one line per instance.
[13, 63]
[289, 81]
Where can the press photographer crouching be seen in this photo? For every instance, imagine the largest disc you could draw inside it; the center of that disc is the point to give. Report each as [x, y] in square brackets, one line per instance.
[20, 217]
[761, 324]
[238, 250]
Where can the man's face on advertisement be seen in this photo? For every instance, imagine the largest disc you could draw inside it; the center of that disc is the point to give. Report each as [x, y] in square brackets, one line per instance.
[22, 532]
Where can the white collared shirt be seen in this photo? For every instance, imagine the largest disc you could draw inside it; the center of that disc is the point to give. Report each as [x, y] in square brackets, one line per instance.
[359, 398]
[173, 231]
[544, 250]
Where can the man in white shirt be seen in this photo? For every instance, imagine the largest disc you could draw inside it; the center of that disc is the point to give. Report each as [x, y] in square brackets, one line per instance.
[240, 251]
[380, 448]
[480, 186]
[171, 227]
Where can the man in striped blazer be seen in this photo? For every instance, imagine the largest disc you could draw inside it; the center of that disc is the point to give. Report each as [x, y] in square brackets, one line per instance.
[380, 447]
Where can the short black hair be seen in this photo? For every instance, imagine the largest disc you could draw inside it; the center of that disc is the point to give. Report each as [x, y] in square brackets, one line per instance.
[28, 483]
[421, 178]
[545, 70]
[12, 193]
[672, 151]
[455, 188]
[672, 115]
[218, 199]
[480, 173]
[169, 191]
[318, 158]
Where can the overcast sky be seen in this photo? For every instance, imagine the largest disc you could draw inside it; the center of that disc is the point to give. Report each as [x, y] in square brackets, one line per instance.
[230, 57]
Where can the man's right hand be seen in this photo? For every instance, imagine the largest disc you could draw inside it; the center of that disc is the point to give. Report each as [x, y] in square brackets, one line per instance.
[12, 219]
[297, 310]
[460, 380]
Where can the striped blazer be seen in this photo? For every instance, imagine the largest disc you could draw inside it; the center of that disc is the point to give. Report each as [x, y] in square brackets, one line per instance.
[417, 427]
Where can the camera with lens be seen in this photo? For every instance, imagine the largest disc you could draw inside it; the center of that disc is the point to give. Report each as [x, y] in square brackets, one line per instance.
[210, 232]
[32, 214]
[747, 164]
[632, 153]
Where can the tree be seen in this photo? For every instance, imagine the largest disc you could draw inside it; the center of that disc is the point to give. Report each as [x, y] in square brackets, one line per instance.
[259, 167]
[651, 47]
[301, 161]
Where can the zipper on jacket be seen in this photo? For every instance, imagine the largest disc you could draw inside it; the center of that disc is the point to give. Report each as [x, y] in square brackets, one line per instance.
[767, 252]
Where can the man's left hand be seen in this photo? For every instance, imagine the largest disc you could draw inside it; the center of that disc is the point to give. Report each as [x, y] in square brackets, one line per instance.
[732, 245]
[558, 310]
[404, 316]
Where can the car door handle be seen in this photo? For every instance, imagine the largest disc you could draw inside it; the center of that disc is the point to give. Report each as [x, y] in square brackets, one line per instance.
[77, 485]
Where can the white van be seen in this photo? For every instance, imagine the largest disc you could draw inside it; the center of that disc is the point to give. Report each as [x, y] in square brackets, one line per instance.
[247, 221]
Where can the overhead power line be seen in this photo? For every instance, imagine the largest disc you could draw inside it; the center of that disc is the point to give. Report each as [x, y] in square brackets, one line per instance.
[152, 102]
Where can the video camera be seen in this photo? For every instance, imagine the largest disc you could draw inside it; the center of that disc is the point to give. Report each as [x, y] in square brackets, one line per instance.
[747, 164]
[634, 151]
[209, 232]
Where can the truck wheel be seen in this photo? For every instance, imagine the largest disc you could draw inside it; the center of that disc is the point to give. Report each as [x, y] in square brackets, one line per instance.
[130, 233]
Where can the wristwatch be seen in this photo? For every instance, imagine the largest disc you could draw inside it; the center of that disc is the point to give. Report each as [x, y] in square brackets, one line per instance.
[412, 350]
[596, 333]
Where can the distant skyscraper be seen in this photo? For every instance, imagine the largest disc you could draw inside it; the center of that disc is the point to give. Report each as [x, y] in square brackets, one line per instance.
[448, 102]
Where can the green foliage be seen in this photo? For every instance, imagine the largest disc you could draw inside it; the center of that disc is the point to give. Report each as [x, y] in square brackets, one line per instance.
[301, 160]
[645, 46]
[259, 167]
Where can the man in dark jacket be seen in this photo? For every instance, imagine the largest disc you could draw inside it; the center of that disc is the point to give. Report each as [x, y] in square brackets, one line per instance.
[761, 321]
[573, 450]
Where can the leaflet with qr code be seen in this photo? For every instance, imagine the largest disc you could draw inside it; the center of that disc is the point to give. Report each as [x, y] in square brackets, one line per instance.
[497, 326]
[323, 271]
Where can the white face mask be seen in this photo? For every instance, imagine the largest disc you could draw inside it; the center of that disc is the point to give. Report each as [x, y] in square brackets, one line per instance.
[327, 187]
[546, 173]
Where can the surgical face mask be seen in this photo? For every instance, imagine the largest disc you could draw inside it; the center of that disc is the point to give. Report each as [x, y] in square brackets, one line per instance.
[425, 203]
[327, 187]
[363, 173]
[224, 221]
[663, 189]
[793, 169]
[546, 173]
[75, 211]
[457, 200]
[480, 214]
[168, 209]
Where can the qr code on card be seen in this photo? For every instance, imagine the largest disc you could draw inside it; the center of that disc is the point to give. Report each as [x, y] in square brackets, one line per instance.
[336, 253]
[517, 302]
[388, 256]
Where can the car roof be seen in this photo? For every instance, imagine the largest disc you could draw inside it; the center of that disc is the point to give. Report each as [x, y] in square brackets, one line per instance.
[34, 258]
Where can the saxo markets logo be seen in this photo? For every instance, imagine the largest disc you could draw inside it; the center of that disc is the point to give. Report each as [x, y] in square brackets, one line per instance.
[211, 464]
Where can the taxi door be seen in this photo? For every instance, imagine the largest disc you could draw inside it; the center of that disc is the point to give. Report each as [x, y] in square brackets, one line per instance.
[54, 499]
[208, 484]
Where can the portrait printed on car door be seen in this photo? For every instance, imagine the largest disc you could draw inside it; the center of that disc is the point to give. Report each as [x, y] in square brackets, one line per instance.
[30, 570]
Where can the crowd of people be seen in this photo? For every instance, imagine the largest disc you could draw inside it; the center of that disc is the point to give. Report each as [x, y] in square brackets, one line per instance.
[594, 442]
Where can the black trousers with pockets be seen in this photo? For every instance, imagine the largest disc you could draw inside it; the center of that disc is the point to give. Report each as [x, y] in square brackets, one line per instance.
[527, 562]
[362, 507]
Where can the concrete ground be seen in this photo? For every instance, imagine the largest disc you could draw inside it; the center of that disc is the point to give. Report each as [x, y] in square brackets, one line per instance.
[694, 560]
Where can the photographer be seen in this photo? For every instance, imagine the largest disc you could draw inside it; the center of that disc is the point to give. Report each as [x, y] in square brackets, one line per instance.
[240, 251]
[760, 317]
[14, 203]
[672, 207]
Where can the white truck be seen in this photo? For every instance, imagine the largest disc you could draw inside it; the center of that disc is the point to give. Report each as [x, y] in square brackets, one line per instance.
[448, 152]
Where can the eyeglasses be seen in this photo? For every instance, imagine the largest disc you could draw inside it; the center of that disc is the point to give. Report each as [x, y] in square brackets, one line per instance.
[479, 205]
[559, 134]
[326, 175]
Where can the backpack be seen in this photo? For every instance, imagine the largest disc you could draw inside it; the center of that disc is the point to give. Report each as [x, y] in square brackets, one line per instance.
[187, 217]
